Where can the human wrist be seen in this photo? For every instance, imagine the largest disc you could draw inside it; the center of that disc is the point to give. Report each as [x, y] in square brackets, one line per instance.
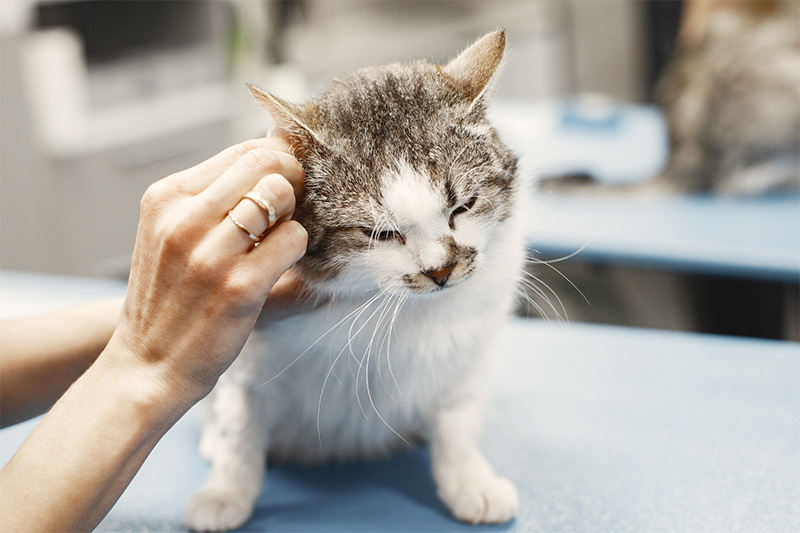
[103, 428]
[99, 321]
[152, 390]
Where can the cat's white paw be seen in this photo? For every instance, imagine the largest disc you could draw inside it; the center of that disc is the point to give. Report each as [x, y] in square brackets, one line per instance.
[216, 510]
[488, 500]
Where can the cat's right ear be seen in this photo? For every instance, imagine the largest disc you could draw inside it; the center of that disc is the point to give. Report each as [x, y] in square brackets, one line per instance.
[291, 119]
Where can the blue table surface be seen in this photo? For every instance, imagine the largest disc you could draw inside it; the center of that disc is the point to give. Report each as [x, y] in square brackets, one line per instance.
[755, 237]
[601, 428]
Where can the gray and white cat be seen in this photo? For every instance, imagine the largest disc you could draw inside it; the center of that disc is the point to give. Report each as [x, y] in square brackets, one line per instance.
[414, 244]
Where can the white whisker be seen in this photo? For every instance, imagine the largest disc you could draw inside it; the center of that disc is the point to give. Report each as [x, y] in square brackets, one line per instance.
[387, 338]
[527, 297]
[531, 284]
[341, 322]
[576, 252]
[557, 271]
[333, 365]
[368, 351]
[532, 287]
[369, 391]
[531, 259]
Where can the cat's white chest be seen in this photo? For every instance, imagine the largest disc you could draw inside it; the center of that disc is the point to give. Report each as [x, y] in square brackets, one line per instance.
[349, 381]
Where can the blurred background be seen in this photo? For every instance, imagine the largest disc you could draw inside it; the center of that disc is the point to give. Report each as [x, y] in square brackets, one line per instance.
[605, 100]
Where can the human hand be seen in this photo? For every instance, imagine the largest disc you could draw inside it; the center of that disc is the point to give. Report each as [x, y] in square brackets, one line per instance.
[198, 282]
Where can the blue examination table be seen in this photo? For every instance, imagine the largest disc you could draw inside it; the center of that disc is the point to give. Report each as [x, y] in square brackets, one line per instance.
[601, 428]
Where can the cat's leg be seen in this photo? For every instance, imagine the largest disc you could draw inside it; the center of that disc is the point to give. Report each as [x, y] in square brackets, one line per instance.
[236, 445]
[210, 434]
[465, 480]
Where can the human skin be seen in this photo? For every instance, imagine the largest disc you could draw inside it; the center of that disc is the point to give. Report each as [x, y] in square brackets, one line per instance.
[41, 356]
[197, 286]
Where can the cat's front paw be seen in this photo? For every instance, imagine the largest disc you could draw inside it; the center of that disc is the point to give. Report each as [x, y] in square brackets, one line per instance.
[217, 510]
[488, 500]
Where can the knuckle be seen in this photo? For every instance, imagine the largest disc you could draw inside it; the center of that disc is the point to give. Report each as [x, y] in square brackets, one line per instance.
[282, 190]
[299, 238]
[286, 244]
[164, 193]
[238, 151]
[154, 197]
[260, 160]
[201, 207]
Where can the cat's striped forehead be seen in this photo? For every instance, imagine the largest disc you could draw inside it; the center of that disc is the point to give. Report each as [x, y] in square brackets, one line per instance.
[405, 192]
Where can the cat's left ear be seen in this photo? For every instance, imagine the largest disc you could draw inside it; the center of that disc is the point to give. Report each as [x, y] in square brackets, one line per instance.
[291, 119]
[472, 69]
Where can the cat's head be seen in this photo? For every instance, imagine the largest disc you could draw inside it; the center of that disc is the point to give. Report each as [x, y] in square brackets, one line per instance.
[407, 183]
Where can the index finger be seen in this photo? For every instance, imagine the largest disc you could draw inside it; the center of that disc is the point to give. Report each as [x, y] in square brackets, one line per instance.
[197, 178]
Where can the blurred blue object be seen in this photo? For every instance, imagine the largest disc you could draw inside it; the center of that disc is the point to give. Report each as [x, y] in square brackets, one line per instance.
[596, 115]
[611, 141]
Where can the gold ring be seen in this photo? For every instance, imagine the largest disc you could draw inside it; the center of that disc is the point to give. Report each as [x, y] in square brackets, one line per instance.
[261, 201]
[254, 237]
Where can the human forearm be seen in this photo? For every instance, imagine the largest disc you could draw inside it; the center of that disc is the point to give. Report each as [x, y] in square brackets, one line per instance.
[197, 285]
[40, 357]
[79, 459]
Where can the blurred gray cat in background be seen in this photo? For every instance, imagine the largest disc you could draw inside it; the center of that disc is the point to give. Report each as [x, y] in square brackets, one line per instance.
[731, 99]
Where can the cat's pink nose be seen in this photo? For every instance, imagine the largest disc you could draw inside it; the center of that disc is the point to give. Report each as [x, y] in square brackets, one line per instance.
[441, 275]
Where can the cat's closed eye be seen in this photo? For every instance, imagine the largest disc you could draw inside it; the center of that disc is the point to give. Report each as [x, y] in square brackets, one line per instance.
[463, 208]
[384, 235]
